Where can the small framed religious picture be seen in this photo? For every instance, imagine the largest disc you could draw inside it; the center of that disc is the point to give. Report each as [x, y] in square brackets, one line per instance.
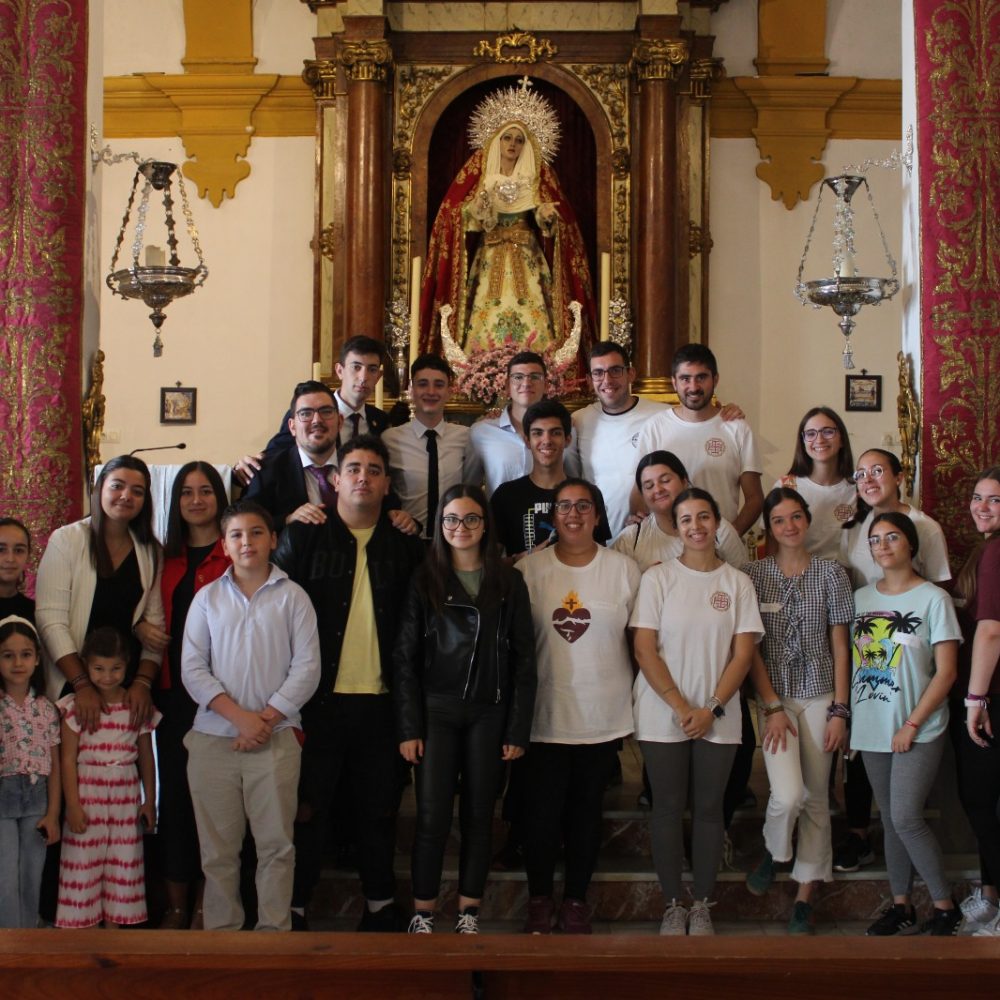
[863, 392]
[178, 405]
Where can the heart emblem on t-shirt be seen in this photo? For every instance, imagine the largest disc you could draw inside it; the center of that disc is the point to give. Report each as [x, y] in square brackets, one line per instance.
[572, 619]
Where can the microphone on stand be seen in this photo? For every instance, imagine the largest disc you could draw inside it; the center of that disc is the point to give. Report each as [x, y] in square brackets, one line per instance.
[160, 447]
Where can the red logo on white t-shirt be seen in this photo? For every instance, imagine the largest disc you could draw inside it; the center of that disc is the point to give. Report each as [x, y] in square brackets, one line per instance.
[843, 511]
[720, 601]
[715, 447]
[572, 619]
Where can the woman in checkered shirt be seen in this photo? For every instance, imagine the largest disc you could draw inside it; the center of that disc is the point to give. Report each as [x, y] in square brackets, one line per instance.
[801, 673]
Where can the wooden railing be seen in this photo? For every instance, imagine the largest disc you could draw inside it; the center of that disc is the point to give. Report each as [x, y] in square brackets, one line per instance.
[144, 965]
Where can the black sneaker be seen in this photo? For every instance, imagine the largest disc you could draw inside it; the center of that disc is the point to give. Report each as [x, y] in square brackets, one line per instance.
[896, 919]
[385, 921]
[853, 853]
[944, 923]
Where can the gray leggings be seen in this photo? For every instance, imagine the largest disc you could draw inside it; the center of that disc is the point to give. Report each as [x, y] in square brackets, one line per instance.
[901, 782]
[672, 768]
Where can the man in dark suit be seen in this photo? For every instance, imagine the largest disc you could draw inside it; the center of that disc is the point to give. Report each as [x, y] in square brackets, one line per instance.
[359, 370]
[295, 483]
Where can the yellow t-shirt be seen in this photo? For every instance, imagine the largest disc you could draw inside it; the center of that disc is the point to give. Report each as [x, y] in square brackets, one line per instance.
[360, 670]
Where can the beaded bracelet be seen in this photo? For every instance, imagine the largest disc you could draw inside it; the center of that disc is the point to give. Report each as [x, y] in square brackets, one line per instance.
[837, 710]
[81, 680]
[141, 679]
[773, 709]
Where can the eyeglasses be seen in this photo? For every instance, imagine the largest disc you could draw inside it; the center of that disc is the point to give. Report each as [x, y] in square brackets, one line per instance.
[580, 506]
[875, 472]
[826, 433]
[470, 521]
[518, 377]
[890, 538]
[615, 371]
[323, 412]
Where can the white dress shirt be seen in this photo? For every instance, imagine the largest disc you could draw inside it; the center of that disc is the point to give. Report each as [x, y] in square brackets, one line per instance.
[262, 650]
[457, 463]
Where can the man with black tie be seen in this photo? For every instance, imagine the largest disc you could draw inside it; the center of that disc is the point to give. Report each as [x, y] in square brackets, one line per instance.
[428, 455]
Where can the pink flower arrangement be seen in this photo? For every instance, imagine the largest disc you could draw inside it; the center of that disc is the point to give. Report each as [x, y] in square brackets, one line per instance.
[484, 378]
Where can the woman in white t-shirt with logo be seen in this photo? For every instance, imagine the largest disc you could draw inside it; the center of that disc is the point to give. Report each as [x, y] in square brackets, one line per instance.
[660, 477]
[581, 598]
[696, 624]
[822, 473]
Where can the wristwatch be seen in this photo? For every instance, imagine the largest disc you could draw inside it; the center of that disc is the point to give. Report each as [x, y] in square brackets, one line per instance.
[716, 707]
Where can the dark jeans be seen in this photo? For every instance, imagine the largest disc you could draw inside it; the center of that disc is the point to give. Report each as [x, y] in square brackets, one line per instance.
[351, 735]
[177, 832]
[564, 793]
[857, 794]
[461, 738]
[979, 790]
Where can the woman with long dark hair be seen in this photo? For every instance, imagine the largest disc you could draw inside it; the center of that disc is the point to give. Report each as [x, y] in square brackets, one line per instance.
[977, 593]
[193, 558]
[464, 692]
[102, 570]
[822, 473]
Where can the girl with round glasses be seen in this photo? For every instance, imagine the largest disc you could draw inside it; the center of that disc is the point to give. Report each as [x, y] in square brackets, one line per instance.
[822, 472]
[660, 477]
[978, 755]
[904, 649]
[581, 597]
[463, 691]
[878, 481]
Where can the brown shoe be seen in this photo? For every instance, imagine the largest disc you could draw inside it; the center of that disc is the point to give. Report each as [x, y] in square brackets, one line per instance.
[574, 917]
[540, 910]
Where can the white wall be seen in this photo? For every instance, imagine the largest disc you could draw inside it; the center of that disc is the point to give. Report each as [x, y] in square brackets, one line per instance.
[778, 358]
[245, 338]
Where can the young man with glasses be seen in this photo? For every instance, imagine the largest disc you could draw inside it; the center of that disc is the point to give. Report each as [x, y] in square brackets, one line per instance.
[498, 441]
[605, 433]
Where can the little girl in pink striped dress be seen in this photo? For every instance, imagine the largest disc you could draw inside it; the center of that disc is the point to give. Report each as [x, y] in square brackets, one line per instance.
[101, 872]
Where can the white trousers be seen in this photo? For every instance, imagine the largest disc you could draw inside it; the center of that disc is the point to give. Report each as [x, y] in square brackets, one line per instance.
[799, 776]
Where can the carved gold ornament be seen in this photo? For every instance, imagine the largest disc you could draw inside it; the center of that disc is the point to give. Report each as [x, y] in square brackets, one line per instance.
[93, 415]
[320, 75]
[366, 61]
[908, 413]
[699, 240]
[517, 40]
[659, 58]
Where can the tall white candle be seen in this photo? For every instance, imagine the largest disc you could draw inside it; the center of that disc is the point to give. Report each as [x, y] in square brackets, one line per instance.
[378, 394]
[605, 295]
[156, 257]
[415, 309]
[317, 370]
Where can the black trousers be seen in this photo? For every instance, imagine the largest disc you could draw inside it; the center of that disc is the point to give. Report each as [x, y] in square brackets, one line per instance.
[351, 735]
[177, 832]
[739, 775]
[463, 739]
[563, 796]
[979, 789]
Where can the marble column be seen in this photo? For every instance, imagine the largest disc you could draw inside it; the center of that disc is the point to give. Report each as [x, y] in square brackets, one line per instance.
[367, 64]
[656, 63]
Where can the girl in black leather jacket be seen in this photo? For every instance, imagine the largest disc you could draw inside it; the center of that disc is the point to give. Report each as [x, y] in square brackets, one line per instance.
[464, 694]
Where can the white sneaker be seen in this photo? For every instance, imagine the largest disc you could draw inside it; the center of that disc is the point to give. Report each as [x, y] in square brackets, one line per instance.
[467, 923]
[674, 922]
[421, 924]
[978, 911]
[992, 929]
[700, 920]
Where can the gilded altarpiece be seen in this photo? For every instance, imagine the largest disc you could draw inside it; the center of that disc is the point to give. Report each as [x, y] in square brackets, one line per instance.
[644, 94]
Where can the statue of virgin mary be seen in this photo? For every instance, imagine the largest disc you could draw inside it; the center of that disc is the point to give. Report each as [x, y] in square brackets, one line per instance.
[505, 251]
